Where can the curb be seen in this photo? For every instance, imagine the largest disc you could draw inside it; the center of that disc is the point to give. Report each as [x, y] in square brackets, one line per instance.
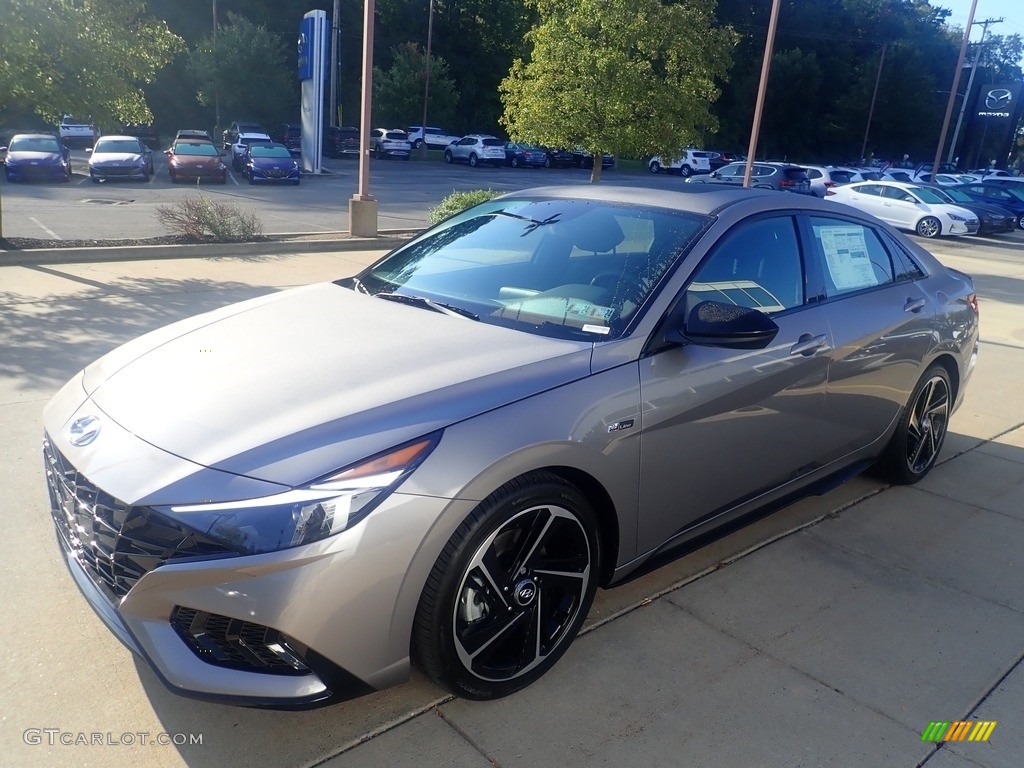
[386, 240]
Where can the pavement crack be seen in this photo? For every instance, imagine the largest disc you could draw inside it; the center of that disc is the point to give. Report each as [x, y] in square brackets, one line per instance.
[467, 738]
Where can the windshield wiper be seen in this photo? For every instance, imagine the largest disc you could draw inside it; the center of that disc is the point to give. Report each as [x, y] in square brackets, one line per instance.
[423, 301]
[533, 223]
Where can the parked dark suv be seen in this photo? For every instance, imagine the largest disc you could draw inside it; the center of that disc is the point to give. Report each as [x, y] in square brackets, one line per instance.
[290, 134]
[781, 176]
[341, 142]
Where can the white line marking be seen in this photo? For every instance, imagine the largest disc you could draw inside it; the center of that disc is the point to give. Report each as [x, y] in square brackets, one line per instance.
[233, 179]
[45, 229]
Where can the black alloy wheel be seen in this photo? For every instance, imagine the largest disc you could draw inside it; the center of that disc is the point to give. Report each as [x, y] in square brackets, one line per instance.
[921, 432]
[510, 590]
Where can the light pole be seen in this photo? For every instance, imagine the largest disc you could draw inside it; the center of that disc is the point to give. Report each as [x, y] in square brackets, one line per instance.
[871, 109]
[335, 37]
[970, 83]
[952, 91]
[362, 206]
[426, 86]
[755, 129]
[216, 78]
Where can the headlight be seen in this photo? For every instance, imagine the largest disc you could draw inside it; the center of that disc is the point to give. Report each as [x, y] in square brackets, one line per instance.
[957, 217]
[307, 514]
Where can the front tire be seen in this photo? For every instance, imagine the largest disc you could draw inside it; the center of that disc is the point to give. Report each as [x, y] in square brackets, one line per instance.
[448, 156]
[655, 166]
[547, 162]
[511, 589]
[915, 446]
[515, 161]
[929, 227]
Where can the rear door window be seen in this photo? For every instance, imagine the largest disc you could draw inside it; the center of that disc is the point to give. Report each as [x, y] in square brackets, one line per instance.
[850, 255]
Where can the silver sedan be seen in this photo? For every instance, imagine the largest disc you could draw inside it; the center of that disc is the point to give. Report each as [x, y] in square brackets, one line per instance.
[287, 501]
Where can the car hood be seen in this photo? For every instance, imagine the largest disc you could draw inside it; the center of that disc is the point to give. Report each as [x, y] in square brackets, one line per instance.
[19, 156]
[207, 161]
[289, 387]
[115, 158]
[272, 162]
[988, 209]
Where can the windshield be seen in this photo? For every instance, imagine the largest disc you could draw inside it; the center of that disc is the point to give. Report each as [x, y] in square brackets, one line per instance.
[200, 149]
[38, 144]
[957, 195]
[572, 269]
[258, 151]
[117, 145]
[927, 195]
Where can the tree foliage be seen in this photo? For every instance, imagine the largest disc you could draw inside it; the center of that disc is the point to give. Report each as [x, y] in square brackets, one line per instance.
[398, 91]
[86, 57]
[249, 70]
[617, 76]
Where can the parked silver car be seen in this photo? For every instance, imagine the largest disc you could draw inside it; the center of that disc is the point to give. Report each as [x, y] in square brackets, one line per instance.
[119, 157]
[285, 501]
[476, 149]
[779, 176]
[389, 143]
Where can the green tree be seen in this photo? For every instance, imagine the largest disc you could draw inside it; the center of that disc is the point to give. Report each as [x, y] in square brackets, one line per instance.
[630, 77]
[249, 70]
[86, 57]
[398, 91]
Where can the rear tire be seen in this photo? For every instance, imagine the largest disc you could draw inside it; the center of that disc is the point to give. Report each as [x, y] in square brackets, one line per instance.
[655, 166]
[510, 590]
[921, 432]
[472, 161]
[448, 156]
[515, 161]
[685, 170]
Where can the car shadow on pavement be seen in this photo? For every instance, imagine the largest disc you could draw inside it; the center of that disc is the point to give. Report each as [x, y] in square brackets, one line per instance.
[47, 339]
[1009, 290]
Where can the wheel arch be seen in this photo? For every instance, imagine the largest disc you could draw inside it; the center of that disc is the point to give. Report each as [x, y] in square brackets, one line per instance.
[947, 361]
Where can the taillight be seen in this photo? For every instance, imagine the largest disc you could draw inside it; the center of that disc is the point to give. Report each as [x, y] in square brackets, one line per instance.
[830, 183]
[829, 192]
[972, 302]
[787, 183]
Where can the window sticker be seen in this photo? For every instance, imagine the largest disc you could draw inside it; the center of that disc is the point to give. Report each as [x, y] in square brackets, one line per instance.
[846, 255]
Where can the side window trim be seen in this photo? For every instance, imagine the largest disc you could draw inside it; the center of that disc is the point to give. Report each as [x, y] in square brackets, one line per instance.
[804, 260]
[810, 246]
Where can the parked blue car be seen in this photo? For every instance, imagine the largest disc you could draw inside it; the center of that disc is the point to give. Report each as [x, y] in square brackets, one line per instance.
[1005, 196]
[270, 164]
[33, 156]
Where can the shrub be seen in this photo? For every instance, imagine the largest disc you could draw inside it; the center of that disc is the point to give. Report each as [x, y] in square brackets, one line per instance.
[459, 201]
[198, 217]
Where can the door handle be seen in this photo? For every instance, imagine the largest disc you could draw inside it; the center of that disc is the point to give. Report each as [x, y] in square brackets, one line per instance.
[807, 345]
[914, 305]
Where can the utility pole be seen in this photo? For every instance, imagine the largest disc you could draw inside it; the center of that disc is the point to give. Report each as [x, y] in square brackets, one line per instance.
[766, 63]
[952, 91]
[871, 109]
[970, 82]
[216, 81]
[426, 86]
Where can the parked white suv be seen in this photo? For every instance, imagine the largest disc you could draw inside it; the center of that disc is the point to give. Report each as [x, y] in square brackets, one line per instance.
[387, 142]
[692, 161]
[436, 138]
[475, 149]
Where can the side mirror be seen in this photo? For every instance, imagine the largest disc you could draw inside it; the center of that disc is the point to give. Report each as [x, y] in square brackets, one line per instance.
[88, 150]
[715, 324]
[714, 174]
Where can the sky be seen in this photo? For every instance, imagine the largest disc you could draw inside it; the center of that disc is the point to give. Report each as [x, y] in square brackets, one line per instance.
[1012, 11]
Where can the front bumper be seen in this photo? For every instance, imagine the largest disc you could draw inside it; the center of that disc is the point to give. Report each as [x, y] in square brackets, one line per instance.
[341, 609]
[119, 172]
[24, 172]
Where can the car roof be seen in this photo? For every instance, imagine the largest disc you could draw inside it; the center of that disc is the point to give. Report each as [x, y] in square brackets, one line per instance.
[705, 199]
[254, 136]
[35, 136]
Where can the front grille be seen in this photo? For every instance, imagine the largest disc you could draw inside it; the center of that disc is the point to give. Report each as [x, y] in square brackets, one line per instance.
[237, 644]
[119, 170]
[116, 544]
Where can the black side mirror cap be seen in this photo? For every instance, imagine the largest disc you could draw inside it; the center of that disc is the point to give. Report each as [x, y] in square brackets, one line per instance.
[716, 324]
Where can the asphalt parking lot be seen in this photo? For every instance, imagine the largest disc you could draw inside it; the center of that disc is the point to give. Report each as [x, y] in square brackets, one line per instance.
[829, 633]
[406, 191]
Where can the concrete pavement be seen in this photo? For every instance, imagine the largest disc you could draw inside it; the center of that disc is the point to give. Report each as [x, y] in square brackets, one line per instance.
[829, 633]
